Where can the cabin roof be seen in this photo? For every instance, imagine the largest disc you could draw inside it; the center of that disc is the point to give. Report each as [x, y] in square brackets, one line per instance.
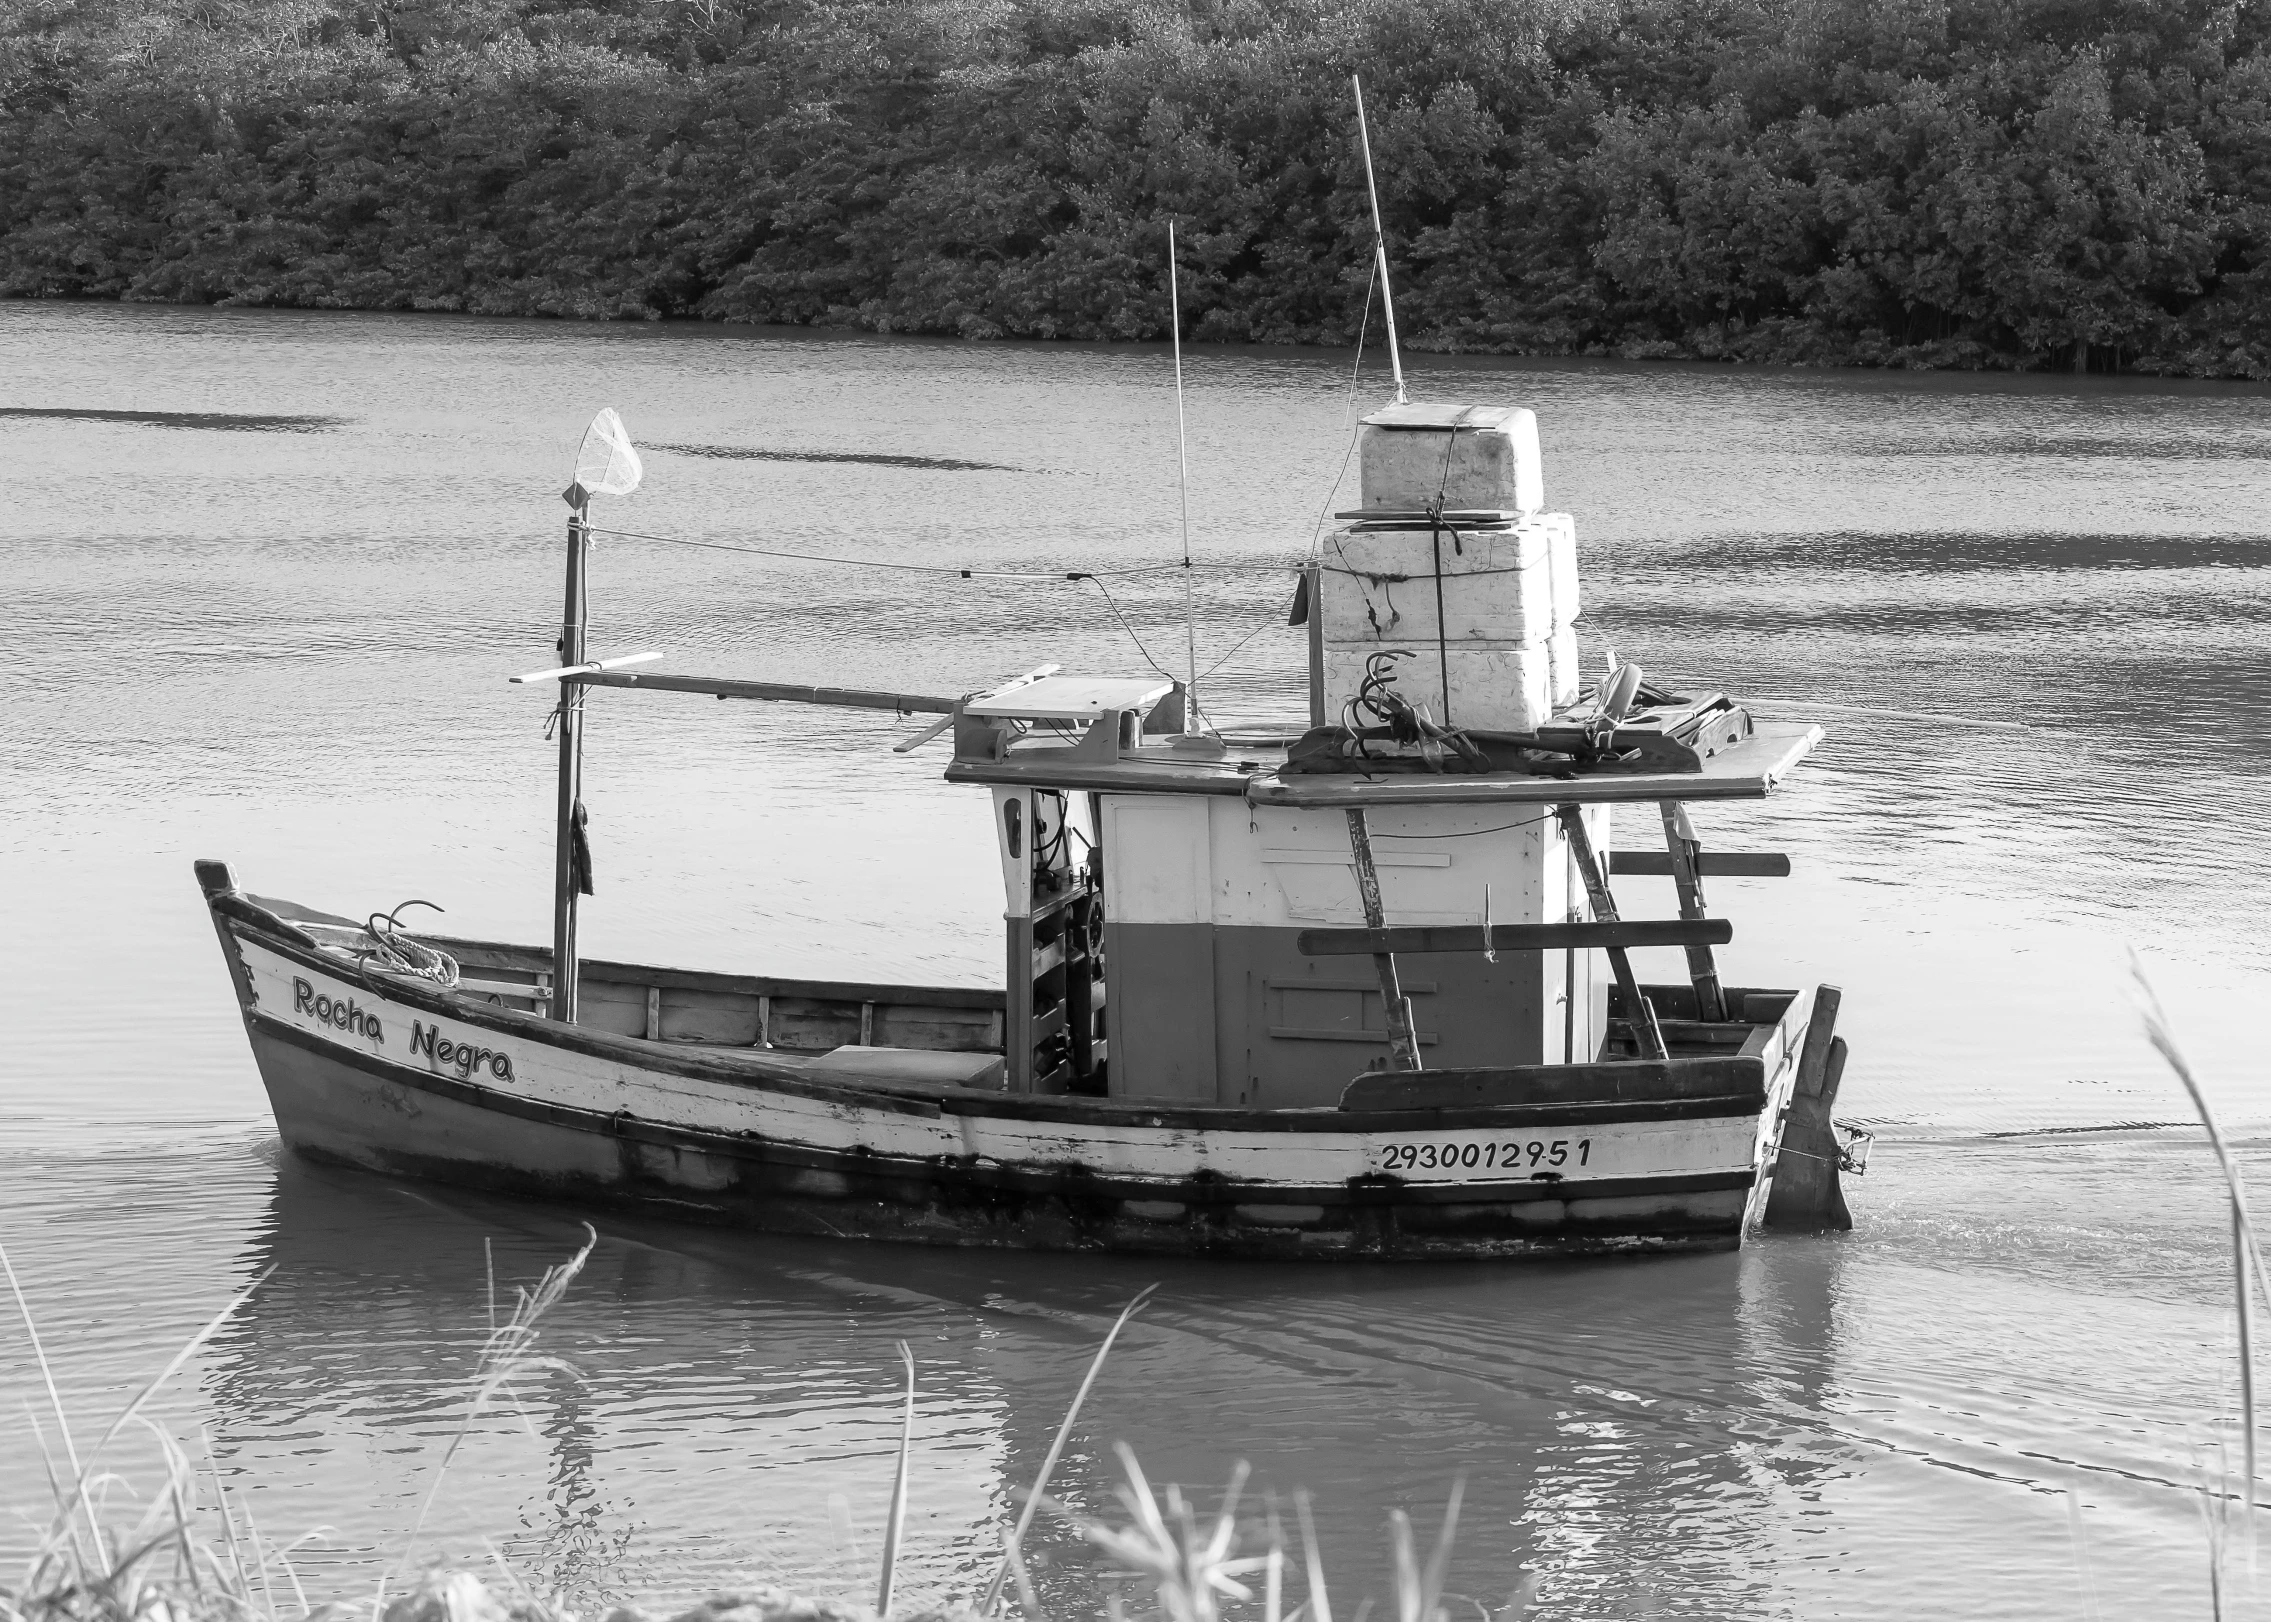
[1746, 770]
[1443, 416]
[1072, 698]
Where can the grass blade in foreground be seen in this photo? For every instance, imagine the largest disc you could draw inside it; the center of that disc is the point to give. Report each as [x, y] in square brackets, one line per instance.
[992, 1601]
[2247, 1261]
[508, 1353]
[898, 1517]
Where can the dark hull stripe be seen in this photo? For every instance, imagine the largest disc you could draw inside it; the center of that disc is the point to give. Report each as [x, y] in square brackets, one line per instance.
[892, 1177]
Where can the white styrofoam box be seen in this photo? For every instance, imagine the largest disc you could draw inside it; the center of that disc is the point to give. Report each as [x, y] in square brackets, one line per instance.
[1496, 689]
[1499, 585]
[1562, 530]
[1472, 458]
[1568, 672]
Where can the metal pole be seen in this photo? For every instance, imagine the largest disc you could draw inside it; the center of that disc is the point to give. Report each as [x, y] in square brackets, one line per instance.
[1183, 484]
[572, 615]
[1379, 240]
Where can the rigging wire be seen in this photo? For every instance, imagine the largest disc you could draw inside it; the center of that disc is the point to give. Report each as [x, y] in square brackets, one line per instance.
[1238, 646]
[1095, 577]
[1058, 576]
[1355, 428]
[1113, 603]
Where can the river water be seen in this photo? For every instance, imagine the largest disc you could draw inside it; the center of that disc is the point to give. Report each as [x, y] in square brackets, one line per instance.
[264, 610]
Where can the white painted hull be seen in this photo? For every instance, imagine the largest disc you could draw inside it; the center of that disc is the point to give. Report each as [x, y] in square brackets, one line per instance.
[398, 1077]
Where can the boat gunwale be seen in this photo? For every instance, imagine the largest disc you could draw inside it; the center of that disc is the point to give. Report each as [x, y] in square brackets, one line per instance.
[895, 1096]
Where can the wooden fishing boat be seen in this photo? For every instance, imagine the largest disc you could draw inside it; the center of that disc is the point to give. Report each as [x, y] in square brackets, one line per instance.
[1360, 991]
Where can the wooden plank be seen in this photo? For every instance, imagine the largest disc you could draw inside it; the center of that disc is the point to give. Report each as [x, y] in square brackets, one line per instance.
[703, 1016]
[1322, 1033]
[1710, 864]
[1403, 1038]
[1681, 845]
[491, 955]
[1613, 1081]
[527, 992]
[1638, 1009]
[776, 692]
[609, 1006]
[936, 1030]
[1070, 698]
[811, 1024]
[1614, 933]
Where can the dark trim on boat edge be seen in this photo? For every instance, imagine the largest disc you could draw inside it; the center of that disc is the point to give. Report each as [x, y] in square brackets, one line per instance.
[1381, 1189]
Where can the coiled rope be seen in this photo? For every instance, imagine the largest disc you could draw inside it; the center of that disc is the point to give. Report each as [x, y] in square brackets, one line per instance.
[393, 952]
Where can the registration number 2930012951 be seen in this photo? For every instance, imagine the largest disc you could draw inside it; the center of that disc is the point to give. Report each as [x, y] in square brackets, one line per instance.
[1521, 1156]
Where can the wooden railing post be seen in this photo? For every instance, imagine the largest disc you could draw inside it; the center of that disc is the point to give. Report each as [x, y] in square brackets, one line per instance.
[1687, 878]
[1403, 1038]
[1638, 1014]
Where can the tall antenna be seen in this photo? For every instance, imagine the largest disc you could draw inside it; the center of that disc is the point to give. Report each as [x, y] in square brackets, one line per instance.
[1183, 475]
[1379, 240]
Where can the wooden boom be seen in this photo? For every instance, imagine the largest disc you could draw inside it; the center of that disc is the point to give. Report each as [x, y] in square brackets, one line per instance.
[776, 691]
[1516, 937]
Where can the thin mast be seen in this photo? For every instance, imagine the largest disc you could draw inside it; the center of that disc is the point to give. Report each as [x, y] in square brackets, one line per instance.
[566, 870]
[1379, 240]
[1183, 481]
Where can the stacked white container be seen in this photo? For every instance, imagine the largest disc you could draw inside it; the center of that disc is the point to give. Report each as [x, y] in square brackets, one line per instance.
[1451, 499]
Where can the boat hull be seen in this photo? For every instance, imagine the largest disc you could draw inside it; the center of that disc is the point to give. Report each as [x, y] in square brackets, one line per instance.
[396, 1077]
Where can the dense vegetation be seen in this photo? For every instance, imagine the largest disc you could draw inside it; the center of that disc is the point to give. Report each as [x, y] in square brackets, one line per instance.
[1908, 182]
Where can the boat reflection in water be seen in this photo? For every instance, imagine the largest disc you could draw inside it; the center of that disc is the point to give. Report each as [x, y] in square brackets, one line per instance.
[733, 1409]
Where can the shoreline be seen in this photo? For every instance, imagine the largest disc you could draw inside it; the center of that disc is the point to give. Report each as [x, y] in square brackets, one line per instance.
[669, 328]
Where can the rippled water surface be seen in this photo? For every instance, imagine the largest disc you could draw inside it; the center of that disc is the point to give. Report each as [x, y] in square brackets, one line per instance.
[266, 574]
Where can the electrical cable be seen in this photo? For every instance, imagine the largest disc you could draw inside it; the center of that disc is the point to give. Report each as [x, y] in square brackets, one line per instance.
[1113, 604]
[1355, 373]
[1471, 833]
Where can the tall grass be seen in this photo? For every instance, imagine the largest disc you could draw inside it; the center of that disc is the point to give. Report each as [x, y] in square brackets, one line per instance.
[508, 1355]
[155, 1566]
[2247, 1276]
[191, 1551]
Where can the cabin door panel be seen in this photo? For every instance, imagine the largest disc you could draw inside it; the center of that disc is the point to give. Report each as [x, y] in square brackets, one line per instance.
[1160, 981]
[1310, 1026]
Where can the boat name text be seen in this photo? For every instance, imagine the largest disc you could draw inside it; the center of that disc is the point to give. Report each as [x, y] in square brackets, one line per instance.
[347, 1014]
[463, 1057]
